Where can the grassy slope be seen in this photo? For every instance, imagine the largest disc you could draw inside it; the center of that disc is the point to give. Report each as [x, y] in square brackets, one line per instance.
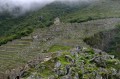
[96, 10]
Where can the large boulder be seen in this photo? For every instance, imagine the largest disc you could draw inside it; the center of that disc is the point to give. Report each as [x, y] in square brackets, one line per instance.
[99, 60]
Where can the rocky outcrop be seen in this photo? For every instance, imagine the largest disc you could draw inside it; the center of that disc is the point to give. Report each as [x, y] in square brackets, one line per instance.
[17, 73]
[82, 64]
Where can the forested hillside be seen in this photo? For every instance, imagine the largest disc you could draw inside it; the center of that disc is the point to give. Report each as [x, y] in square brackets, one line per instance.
[14, 27]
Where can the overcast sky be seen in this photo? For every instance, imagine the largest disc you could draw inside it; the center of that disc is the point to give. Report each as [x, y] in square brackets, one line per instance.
[26, 5]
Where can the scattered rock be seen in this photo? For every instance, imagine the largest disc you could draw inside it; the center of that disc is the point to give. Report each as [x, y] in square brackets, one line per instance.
[59, 53]
[100, 61]
[76, 76]
[68, 58]
[67, 68]
[72, 53]
[98, 76]
[81, 65]
[58, 64]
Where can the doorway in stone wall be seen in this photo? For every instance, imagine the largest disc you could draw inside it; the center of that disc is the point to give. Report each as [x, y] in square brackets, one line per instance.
[17, 77]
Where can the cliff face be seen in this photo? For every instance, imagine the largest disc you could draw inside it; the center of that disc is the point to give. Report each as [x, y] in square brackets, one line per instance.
[108, 41]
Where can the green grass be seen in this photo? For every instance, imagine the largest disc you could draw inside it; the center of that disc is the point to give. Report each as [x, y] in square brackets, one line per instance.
[95, 10]
[55, 48]
[113, 63]
[63, 60]
[47, 71]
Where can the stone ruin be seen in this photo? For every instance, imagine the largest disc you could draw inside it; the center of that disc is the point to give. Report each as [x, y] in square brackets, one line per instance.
[17, 73]
[57, 21]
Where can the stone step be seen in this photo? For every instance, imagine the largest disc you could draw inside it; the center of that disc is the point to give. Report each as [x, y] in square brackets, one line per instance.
[27, 39]
[8, 55]
[17, 45]
[10, 62]
[9, 65]
[21, 42]
[7, 58]
[13, 45]
[10, 48]
[9, 51]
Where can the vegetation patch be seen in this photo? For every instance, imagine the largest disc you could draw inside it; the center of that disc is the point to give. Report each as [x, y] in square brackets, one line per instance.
[96, 10]
[55, 48]
[108, 41]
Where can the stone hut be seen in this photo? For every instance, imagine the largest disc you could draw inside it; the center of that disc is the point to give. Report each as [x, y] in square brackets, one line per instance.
[57, 21]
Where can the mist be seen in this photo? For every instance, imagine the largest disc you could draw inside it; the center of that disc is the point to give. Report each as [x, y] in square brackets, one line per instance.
[18, 7]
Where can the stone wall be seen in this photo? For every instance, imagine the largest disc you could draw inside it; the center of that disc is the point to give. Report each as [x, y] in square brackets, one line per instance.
[18, 72]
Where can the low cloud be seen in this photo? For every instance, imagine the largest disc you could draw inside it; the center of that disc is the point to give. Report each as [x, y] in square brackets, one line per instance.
[21, 6]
